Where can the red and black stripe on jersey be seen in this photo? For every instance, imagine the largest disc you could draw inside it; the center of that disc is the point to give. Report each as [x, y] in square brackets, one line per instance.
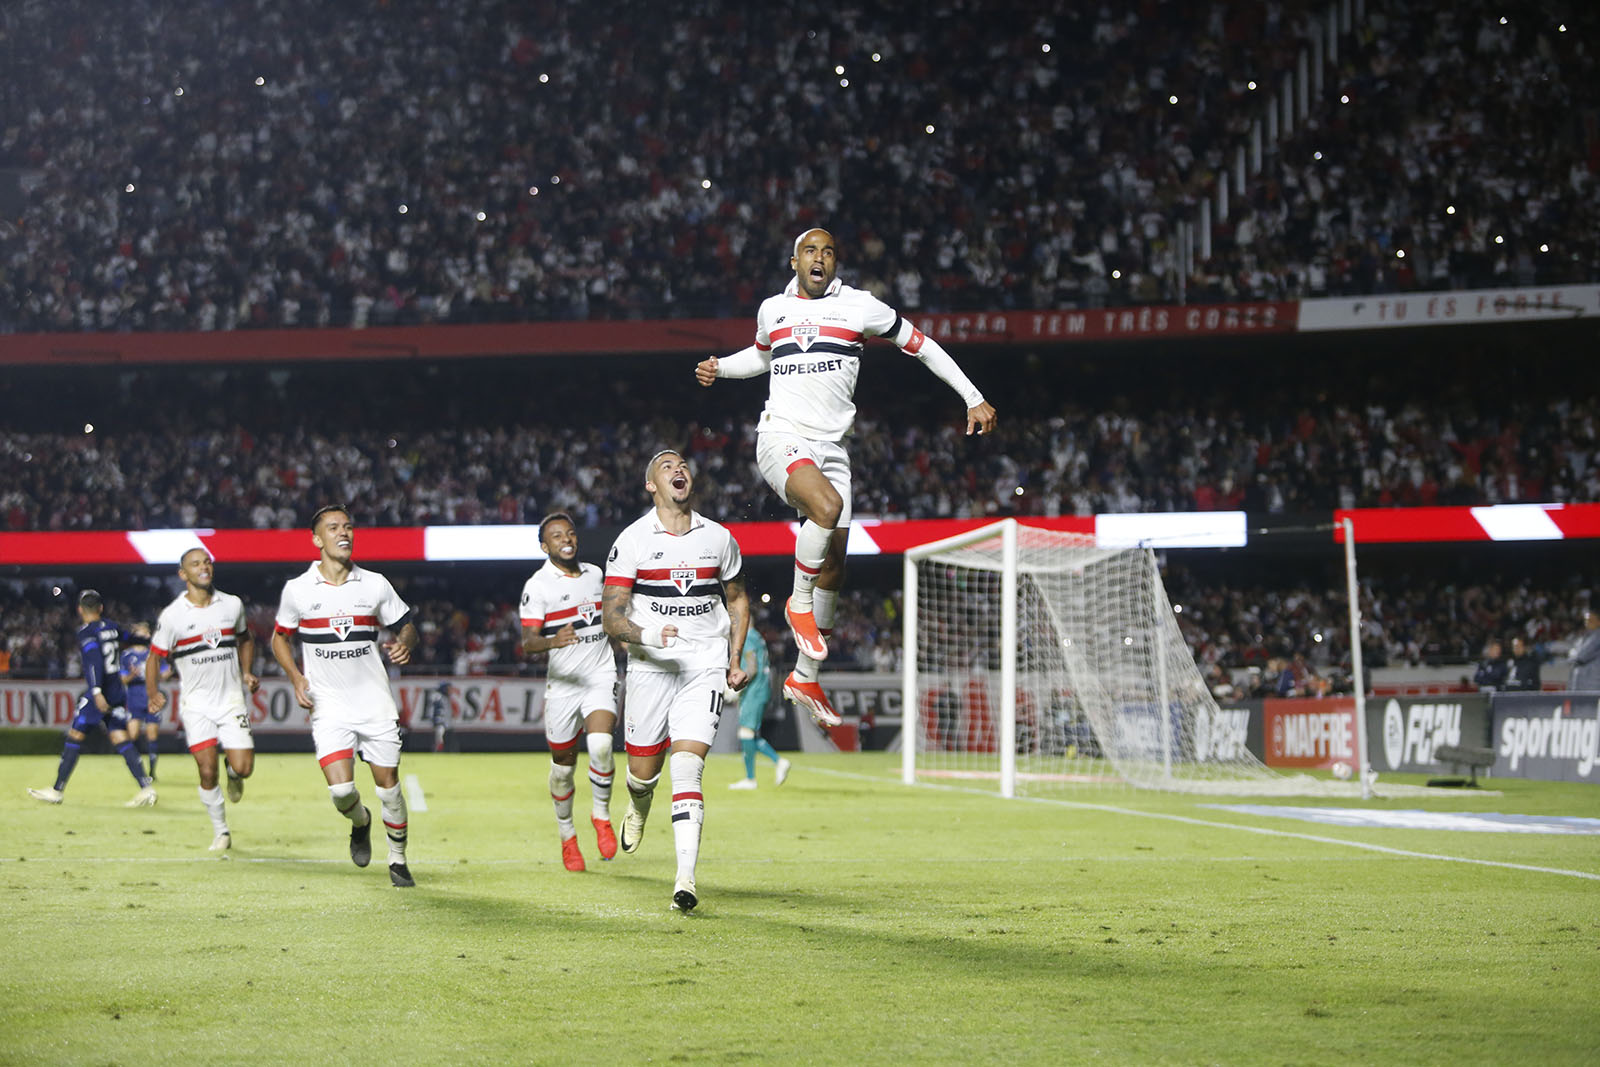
[835, 339]
[322, 632]
[658, 581]
[553, 622]
[188, 646]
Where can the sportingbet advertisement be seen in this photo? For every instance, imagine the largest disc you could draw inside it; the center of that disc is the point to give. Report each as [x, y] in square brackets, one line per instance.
[1549, 736]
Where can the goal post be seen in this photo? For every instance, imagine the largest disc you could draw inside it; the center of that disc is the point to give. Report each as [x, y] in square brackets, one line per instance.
[1036, 659]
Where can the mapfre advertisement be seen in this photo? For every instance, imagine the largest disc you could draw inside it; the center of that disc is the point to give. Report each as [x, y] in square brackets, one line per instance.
[1554, 737]
[1403, 732]
[493, 705]
[1309, 733]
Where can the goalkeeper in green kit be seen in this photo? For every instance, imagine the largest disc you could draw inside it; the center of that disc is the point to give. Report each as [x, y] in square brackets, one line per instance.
[752, 707]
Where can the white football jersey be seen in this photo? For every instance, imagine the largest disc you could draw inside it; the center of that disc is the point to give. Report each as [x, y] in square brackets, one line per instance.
[551, 599]
[676, 580]
[202, 643]
[338, 629]
[816, 348]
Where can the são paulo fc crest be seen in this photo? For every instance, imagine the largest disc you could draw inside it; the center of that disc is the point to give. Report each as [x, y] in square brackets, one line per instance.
[587, 611]
[212, 637]
[341, 625]
[804, 335]
[683, 578]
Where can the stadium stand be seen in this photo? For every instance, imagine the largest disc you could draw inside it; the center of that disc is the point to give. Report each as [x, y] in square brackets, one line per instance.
[301, 164]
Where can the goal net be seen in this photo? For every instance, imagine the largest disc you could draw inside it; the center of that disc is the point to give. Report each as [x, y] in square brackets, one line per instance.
[1036, 660]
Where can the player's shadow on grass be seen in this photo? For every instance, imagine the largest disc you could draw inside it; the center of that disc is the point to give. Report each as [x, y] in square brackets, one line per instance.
[960, 948]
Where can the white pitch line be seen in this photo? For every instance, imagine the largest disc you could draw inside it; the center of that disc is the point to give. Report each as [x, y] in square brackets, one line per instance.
[414, 795]
[1192, 821]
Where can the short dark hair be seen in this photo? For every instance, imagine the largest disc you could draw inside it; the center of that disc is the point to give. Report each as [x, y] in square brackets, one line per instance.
[552, 517]
[649, 468]
[324, 510]
[91, 599]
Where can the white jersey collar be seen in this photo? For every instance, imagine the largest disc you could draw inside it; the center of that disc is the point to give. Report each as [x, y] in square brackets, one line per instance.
[317, 578]
[793, 288]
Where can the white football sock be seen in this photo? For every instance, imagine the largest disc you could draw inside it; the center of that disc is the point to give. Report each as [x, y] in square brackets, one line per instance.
[394, 821]
[641, 792]
[688, 810]
[212, 799]
[810, 547]
[561, 790]
[602, 772]
[347, 798]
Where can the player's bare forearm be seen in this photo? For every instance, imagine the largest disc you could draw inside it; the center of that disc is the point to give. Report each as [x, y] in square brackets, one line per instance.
[614, 602]
[283, 652]
[739, 618]
[533, 642]
[247, 661]
[152, 683]
[404, 643]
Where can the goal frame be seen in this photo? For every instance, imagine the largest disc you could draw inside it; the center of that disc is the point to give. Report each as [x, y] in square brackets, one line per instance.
[1007, 529]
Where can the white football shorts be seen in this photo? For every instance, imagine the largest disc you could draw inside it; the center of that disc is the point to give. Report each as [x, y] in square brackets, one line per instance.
[338, 737]
[565, 712]
[777, 454]
[667, 706]
[227, 726]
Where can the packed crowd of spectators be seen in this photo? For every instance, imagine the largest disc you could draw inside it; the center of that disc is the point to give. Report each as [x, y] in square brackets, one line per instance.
[454, 444]
[1457, 148]
[292, 163]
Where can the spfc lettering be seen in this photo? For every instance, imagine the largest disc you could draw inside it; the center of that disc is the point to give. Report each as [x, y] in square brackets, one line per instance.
[341, 625]
[683, 578]
[212, 637]
[804, 335]
[587, 612]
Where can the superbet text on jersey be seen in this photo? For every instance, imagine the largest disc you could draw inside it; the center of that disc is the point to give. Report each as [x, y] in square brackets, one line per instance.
[676, 580]
[338, 629]
[553, 599]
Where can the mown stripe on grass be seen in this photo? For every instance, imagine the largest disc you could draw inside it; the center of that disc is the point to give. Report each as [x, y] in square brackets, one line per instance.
[1265, 831]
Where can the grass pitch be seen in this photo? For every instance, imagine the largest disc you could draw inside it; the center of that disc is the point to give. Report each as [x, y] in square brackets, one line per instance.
[845, 919]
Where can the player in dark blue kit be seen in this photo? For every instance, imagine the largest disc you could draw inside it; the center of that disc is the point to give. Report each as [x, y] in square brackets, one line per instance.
[144, 724]
[104, 700]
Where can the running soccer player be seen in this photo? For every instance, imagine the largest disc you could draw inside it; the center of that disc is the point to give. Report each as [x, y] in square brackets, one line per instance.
[337, 608]
[811, 337]
[752, 708]
[203, 634]
[561, 615]
[673, 592]
[144, 725]
[104, 701]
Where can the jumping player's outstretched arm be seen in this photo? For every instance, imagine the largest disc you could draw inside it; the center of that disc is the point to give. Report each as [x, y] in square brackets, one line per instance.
[746, 363]
[913, 342]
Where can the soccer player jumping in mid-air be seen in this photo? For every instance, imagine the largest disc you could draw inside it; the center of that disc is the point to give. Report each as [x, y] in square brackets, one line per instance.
[811, 337]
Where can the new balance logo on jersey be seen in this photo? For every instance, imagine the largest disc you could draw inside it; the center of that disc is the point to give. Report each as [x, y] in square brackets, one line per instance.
[341, 625]
[683, 578]
[804, 335]
[212, 637]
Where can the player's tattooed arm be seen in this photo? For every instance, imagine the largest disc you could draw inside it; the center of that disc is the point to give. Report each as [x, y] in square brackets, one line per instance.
[739, 617]
[614, 601]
